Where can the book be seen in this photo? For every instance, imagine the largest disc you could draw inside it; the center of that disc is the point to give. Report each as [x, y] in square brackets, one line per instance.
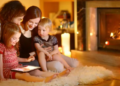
[27, 68]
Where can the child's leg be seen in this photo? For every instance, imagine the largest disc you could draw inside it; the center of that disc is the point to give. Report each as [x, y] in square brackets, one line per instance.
[42, 60]
[41, 73]
[27, 77]
[65, 72]
[71, 61]
[47, 74]
[59, 58]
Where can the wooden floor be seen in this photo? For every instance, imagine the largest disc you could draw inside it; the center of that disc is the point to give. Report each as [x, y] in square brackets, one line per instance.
[110, 60]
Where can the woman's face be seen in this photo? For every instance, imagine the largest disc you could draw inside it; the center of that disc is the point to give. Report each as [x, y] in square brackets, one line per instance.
[32, 23]
[17, 20]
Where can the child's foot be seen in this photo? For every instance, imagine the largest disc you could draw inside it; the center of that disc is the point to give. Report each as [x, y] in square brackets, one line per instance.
[65, 72]
[70, 68]
[48, 79]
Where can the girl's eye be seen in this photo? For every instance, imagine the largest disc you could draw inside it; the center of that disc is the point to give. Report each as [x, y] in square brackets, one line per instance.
[36, 23]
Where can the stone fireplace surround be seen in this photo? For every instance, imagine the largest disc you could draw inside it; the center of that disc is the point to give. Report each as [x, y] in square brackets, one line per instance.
[91, 21]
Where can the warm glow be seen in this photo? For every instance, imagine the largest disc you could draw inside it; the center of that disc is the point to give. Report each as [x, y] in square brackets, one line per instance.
[60, 49]
[67, 54]
[77, 32]
[91, 34]
[106, 42]
[89, 47]
[111, 34]
[60, 26]
[43, 17]
[65, 39]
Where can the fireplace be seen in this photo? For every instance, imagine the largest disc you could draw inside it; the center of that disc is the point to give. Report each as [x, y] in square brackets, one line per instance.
[108, 23]
[99, 19]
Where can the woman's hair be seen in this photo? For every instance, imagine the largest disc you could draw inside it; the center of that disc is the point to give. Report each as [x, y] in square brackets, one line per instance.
[31, 13]
[45, 22]
[10, 10]
[10, 29]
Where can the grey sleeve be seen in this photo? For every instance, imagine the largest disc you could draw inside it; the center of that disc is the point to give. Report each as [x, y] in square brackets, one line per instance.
[35, 39]
[55, 41]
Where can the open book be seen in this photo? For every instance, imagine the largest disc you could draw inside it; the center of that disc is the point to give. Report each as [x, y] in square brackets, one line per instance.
[25, 68]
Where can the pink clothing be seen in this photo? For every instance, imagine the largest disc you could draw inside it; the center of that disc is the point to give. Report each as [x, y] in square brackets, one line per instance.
[10, 60]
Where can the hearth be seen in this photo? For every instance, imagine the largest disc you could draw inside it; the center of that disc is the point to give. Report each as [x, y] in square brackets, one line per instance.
[108, 28]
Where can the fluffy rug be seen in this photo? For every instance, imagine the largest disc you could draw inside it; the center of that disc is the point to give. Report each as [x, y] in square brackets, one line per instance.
[80, 75]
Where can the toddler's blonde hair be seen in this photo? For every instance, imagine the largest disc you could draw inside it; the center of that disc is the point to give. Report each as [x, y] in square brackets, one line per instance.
[45, 22]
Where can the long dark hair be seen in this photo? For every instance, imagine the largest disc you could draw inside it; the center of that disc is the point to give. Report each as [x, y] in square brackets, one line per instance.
[31, 13]
[11, 9]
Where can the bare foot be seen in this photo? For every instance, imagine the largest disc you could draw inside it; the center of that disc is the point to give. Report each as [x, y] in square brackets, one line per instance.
[65, 72]
[48, 79]
[70, 68]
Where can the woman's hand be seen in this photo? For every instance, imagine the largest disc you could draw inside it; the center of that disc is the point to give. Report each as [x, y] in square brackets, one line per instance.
[31, 58]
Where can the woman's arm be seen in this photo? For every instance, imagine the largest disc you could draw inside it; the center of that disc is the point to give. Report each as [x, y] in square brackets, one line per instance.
[1, 68]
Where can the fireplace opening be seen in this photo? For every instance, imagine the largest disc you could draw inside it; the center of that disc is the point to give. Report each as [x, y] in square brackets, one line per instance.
[108, 28]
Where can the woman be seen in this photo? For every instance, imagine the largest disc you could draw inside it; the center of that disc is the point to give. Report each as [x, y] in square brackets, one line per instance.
[27, 55]
[12, 11]
[30, 21]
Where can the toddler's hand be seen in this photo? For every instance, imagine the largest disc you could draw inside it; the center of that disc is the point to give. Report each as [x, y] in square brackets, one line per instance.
[49, 57]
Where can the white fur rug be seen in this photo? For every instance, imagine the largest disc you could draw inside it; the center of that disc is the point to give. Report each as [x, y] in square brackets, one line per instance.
[80, 75]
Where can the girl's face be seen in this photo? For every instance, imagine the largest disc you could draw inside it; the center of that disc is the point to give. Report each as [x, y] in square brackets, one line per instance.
[32, 23]
[42, 31]
[17, 20]
[14, 39]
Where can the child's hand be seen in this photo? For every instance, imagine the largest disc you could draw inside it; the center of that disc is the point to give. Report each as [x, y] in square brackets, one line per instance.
[31, 58]
[49, 57]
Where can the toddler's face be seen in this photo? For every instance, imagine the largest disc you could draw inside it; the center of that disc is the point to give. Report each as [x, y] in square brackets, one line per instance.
[32, 23]
[42, 31]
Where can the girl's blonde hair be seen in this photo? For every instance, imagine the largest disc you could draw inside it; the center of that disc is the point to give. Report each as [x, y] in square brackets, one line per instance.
[9, 29]
[46, 22]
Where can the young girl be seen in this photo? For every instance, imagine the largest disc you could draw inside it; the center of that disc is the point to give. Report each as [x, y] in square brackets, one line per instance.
[9, 59]
[47, 45]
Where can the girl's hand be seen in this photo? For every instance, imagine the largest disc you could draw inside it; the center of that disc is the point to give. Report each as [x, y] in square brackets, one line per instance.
[31, 58]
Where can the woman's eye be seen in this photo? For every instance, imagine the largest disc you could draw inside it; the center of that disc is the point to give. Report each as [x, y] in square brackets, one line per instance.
[30, 22]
